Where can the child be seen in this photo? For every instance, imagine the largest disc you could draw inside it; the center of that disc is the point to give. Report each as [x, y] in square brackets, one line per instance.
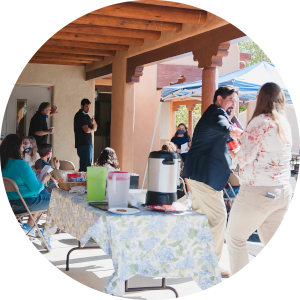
[45, 151]
[30, 153]
[108, 159]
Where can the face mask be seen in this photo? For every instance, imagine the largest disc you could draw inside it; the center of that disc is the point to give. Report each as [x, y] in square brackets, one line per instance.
[46, 116]
[85, 113]
[181, 131]
[28, 149]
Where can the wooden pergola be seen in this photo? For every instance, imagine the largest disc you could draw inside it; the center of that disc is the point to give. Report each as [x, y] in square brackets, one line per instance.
[115, 28]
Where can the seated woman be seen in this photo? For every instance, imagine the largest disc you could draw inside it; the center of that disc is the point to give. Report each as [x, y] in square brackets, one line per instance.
[45, 151]
[15, 168]
[30, 153]
[108, 159]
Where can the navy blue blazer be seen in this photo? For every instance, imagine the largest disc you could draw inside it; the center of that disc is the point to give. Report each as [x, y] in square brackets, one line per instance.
[208, 160]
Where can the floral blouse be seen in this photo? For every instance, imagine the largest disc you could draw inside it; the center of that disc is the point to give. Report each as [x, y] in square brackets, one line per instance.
[263, 159]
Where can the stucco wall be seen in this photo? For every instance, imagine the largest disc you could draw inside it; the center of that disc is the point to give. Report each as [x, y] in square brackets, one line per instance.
[231, 63]
[69, 88]
[146, 108]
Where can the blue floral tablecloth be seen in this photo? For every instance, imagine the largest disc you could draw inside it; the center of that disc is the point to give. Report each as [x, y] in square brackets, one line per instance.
[148, 243]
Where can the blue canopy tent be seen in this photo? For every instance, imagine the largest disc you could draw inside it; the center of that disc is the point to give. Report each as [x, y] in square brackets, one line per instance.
[248, 80]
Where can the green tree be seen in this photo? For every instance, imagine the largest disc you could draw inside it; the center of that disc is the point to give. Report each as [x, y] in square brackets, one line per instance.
[182, 115]
[257, 55]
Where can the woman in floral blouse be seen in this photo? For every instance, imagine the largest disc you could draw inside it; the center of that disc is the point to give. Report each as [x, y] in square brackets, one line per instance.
[264, 161]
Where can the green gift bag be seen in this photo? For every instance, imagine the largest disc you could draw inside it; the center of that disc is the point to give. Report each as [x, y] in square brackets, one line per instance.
[96, 183]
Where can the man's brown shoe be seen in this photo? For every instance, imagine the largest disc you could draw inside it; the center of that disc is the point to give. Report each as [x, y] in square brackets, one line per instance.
[224, 273]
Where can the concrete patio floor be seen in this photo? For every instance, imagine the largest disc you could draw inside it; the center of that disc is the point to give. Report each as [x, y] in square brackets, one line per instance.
[92, 267]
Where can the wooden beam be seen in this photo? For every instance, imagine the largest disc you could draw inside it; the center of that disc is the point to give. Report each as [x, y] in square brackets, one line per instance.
[91, 19]
[166, 3]
[153, 13]
[54, 59]
[112, 31]
[67, 55]
[89, 45]
[44, 61]
[100, 72]
[202, 41]
[73, 50]
[97, 38]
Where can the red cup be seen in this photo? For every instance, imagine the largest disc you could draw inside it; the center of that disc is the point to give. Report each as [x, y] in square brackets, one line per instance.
[233, 144]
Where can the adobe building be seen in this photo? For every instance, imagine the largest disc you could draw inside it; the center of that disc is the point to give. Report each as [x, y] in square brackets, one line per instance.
[123, 52]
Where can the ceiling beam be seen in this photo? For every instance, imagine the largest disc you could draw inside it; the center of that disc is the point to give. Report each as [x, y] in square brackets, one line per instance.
[67, 55]
[90, 19]
[89, 45]
[203, 42]
[102, 72]
[76, 60]
[57, 62]
[166, 3]
[73, 50]
[112, 31]
[98, 38]
[154, 13]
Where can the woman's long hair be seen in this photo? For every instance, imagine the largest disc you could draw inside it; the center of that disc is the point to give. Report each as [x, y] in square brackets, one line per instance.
[107, 156]
[34, 149]
[186, 134]
[271, 100]
[10, 148]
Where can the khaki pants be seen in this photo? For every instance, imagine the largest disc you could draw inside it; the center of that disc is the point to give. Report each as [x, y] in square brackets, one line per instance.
[210, 202]
[251, 211]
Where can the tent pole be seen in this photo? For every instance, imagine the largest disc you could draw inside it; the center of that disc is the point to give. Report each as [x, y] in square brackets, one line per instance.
[159, 108]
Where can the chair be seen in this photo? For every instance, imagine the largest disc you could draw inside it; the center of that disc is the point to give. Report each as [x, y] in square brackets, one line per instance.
[233, 181]
[11, 186]
[67, 165]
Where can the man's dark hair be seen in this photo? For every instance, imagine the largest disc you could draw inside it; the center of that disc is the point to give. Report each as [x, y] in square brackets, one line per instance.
[85, 101]
[43, 106]
[225, 91]
[43, 149]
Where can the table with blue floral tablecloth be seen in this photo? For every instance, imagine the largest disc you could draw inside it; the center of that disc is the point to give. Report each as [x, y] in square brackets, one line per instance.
[148, 243]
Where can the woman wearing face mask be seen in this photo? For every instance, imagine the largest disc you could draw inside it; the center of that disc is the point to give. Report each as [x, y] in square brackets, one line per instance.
[30, 153]
[15, 168]
[45, 151]
[181, 137]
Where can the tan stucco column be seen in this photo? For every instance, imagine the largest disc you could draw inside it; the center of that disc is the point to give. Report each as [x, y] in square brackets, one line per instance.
[122, 114]
[250, 110]
[209, 86]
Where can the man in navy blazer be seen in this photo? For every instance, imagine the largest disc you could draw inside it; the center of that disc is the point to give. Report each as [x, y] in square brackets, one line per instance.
[207, 163]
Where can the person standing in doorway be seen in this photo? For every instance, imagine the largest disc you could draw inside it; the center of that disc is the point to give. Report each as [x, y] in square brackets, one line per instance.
[83, 128]
[207, 163]
[38, 127]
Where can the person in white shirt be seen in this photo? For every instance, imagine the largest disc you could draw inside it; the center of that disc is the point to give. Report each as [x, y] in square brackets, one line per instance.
[264, 161]
[30, 153]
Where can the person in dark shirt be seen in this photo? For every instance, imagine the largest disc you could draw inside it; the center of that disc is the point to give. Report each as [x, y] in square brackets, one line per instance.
[38, 127]
[83, 128]
[181, 137]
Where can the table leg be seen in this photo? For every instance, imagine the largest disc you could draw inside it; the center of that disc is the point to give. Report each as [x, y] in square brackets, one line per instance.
[78, 248]
[162, 287]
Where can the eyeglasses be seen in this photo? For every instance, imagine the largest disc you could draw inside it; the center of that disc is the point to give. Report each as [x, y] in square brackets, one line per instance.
[26, 143]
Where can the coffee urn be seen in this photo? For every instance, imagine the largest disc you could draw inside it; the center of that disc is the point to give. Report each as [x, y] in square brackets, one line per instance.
[163, 174]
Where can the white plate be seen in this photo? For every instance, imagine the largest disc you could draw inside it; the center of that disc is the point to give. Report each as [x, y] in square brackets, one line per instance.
[129, 210]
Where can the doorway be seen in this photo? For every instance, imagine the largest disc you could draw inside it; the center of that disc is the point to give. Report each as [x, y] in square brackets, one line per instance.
[103, 119]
